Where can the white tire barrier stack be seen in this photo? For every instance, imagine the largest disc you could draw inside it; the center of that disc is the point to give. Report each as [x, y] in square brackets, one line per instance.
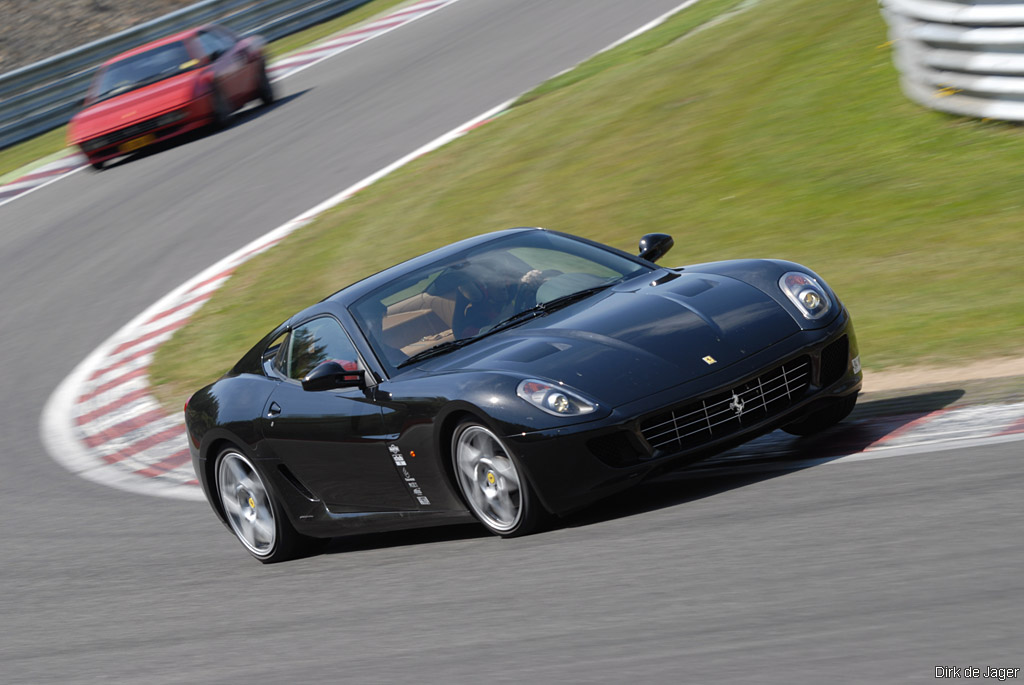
[959, 56]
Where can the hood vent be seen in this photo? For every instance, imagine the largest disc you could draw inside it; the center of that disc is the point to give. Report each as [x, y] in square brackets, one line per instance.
[665, 278]
[532, 351]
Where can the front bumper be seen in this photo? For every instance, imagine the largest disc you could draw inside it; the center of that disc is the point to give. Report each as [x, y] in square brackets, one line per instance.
[574, 466]
[136, 136]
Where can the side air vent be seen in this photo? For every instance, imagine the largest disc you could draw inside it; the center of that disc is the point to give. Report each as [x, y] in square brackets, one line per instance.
[834, 360]
[618, 449]
[296, 483]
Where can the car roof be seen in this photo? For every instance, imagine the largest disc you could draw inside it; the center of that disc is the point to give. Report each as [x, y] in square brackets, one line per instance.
[181, 35]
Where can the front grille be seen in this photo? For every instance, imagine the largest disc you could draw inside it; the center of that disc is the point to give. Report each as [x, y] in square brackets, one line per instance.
[834, 360]
[133, 131]
[729, 412]
[128, 133]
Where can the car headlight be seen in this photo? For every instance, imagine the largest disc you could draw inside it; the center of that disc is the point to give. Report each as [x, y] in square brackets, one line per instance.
[553, 399]
[806, 293]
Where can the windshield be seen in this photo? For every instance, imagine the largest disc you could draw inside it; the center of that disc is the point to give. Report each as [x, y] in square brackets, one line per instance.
[454, 301]
[142, 69]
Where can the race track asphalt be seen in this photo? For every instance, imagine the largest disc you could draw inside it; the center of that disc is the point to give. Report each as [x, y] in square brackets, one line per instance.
[874, 571]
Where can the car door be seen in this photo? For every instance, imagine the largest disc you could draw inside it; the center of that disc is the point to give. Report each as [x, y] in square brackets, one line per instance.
[246, 59]
[332, 440]
[229, 64]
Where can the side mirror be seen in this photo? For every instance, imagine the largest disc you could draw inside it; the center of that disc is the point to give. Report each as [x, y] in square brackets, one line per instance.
[331, 375]
[653, 246]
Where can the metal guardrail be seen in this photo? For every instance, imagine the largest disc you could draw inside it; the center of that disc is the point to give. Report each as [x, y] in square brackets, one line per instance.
[959, 56]
[44, 95]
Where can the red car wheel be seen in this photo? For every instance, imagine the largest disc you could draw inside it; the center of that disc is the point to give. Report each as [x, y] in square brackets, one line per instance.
[266, 90]
[221, 110]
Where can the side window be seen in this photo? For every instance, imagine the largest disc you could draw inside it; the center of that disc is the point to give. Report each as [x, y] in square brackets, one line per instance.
[226, 37]
[226, 42]
[274, 354]
[315, 342]
[212, 44]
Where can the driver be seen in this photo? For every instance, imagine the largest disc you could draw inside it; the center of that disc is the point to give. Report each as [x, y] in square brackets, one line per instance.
[493, 298]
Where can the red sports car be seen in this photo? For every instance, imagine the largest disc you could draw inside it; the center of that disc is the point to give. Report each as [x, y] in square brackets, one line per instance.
[167, 88]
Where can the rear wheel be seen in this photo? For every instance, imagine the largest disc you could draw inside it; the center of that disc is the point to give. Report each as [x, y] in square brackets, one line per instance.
[492, 483]
[817, 421]
[98, 166]
[254, 515]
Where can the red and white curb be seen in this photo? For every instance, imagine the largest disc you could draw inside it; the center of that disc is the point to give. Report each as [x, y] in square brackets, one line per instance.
[279, 69]
[103, 424]
[43, 176]
[296, 62]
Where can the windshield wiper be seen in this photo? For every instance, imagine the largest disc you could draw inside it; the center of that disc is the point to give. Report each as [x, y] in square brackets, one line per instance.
[116, 90]
[135, 85]
[559, 302]
[447, 346]
[545, 308]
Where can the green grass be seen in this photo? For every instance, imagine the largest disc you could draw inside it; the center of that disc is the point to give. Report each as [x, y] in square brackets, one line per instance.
[17, 156]
[780, 132]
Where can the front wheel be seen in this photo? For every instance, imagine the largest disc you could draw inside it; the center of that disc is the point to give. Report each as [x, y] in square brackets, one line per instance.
[817, 421]
[265, 88]
[221, 110]
[253, 514]
[493, 484]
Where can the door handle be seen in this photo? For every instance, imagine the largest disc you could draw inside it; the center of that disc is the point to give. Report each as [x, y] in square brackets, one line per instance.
[274, 409]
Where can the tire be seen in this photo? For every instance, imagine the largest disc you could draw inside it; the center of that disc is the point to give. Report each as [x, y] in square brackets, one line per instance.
[817, 421]
[254, 515]
[265, 90]
[493, 484]
[98, 166]
[221, 111]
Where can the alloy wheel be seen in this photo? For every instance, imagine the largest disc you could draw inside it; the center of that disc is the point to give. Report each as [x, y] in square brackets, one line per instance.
[488, 478]
[246, 503]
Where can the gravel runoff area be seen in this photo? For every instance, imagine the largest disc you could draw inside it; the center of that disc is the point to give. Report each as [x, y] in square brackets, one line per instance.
[894, 379]
[31, 30]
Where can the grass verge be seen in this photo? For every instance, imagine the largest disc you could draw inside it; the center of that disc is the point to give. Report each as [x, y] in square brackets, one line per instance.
[24, 153]
[21, 155]
[779, 132]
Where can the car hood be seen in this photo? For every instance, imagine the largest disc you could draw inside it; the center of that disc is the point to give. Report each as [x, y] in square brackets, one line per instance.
[635, 339]
[132, 107]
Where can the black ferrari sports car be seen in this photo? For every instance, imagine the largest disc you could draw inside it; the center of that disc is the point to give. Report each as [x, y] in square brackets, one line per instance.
[507, 378]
